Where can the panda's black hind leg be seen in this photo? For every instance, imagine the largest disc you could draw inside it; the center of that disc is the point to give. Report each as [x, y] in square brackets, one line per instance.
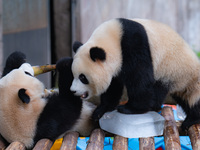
[192, 113]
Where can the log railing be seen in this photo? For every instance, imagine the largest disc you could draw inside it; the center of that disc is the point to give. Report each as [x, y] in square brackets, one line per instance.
[96, 141]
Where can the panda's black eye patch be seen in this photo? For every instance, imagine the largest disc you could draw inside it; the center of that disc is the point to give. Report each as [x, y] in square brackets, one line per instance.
[83, 79]
[28, 73]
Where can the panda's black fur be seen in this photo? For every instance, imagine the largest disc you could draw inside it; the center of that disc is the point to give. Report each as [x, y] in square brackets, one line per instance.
[134, 42]
[62, 111]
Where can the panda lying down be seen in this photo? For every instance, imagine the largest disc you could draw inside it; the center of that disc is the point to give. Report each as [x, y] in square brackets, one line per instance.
[28, 115]
[148, 58]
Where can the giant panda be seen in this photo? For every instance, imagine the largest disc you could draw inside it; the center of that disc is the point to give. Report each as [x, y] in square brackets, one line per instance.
[148, 58]
[28, 114]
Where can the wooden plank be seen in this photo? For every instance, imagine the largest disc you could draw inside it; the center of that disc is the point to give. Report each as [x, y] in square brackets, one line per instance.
[96, 141]
[194, 134]
[43, 144]
[120, 143]
[147, 143]
[171, 134]
[70, 141]
[16, 146]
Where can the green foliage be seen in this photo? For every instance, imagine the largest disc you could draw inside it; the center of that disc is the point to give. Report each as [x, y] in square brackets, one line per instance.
[198, 54]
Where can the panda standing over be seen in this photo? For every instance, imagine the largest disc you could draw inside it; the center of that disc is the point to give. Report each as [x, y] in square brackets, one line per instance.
[148, 58]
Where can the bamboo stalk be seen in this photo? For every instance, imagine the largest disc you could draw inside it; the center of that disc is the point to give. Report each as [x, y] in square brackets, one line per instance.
[147, 143]
[43, 69]
[43, 144]
[171, 134]
[96, 141]
[70, 141]
[194, 134]
[16, 146]
[120, 143]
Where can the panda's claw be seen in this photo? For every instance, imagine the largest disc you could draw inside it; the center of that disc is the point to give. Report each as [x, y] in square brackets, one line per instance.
[98, 113]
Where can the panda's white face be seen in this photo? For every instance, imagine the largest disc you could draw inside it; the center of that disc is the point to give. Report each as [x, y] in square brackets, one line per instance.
[80, 87]
[90, 78]
[18, 119]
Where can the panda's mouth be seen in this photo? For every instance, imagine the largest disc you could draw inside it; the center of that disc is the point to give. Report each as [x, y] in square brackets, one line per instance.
[84, 95]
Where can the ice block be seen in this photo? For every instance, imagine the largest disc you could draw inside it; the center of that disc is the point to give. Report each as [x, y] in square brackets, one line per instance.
[133, 125]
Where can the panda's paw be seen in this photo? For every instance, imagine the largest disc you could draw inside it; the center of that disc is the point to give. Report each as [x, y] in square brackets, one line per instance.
[126, 109]
[98, 113]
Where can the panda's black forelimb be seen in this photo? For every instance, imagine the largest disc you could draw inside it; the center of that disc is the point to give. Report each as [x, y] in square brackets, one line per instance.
[110, 99]
[62, 109]
[137, 69]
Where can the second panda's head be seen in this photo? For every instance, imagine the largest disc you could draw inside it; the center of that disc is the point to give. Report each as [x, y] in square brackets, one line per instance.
[90, 76]
[21, 102]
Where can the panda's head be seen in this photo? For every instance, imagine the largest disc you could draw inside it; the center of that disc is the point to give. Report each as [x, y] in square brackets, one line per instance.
[98, 60]
[21, 102]
[90, 73]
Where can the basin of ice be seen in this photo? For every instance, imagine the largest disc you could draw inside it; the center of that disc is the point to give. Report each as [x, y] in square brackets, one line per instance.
[133, 125]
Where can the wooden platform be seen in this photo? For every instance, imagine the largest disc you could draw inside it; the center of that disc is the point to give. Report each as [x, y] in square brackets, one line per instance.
[96, 141]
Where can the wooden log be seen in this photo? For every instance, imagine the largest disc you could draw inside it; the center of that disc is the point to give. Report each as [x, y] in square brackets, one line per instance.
[16, 146]
[194, 134]
[171, 134]
[147, 143]
[43, 144]
[70, 141]
[120, 143]
[96, 141]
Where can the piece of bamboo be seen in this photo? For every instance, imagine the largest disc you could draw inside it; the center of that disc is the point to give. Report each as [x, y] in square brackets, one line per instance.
[171, 134]
[147, 143]
[96, 141]
[194, 134]
[43, 144]
[70, 141]
[120, 143]
[16, 146]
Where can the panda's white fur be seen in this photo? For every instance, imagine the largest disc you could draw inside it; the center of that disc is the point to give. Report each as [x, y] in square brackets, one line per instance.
[28, 122]
[162, 61]
[173, 60]
[18, 119]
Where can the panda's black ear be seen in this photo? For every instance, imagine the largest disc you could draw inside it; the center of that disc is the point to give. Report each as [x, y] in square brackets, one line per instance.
[23, 96]
[97, 53]
[76, 46]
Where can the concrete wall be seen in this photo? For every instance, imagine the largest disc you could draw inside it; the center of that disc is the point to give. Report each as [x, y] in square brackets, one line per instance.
[26, 28]
[182, 15]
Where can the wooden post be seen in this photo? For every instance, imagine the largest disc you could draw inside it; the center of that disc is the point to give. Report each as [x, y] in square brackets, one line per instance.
[194, 134]
[96, 141]
[147, 143]
[171, 134]
[43, 144]
[120, 143]
[70, 141]
[16, 146]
